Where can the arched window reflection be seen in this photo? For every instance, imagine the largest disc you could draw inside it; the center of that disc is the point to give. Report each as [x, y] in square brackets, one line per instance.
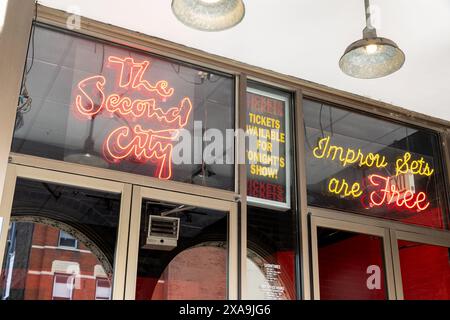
[50, 261]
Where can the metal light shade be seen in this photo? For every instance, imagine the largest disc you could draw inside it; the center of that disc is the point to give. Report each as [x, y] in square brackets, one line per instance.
[209, 15]
[372, 58]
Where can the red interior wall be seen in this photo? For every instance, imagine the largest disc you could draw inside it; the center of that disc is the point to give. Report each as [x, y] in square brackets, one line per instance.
[343, 266]
[430, 218]
[342, 269]
[425, 271]
[286, 260]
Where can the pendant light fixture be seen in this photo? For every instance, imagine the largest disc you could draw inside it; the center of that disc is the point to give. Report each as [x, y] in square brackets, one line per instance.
[372, 56]
[209, 15]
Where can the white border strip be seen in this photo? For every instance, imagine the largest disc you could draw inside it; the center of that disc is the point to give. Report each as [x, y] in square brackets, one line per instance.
[50, 273]
[61, 248]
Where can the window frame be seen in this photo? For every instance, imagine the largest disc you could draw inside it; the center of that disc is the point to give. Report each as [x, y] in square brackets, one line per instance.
[69, 276]
[131, 177]
[75, 247]
[357, 228]
[396, 235]
[22, 16]
[392, 232]
[442, 158]
[97, 279]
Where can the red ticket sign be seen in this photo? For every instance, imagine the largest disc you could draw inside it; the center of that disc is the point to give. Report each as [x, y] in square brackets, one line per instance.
[267, 149]
[138, 104]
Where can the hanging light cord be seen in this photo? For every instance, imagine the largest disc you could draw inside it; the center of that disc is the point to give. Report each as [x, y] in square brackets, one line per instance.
[32, 38]
[368, 17]
[25, 100]
[369, 31]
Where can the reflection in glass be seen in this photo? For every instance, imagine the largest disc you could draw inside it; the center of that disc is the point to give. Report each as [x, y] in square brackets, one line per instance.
[86, 102]
[270, 278]
[346, 149]
[351, 266]
[425, 271]
[192, 266]
[271, 230]
[271, 254]
[61, 243]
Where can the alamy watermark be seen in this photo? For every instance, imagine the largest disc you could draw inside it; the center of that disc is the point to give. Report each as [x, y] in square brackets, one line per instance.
[374, 280]
[73, 21]
[217, 146]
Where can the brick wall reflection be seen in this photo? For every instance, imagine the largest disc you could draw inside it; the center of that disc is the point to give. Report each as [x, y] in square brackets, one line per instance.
[37, 264]
[196, 273]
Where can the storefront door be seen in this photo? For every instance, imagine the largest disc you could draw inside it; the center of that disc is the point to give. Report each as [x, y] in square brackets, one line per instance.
[70, 237]
[64, 236]
[362, 258]
[421, 266]
[350, 261]
[181, 247]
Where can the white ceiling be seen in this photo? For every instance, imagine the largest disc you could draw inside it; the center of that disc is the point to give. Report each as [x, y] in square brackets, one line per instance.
[305, 38]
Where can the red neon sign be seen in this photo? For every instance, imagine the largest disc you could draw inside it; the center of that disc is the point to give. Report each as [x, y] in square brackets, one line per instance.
[141, 145]
[390, 194]
[131, 74]
[132, 141]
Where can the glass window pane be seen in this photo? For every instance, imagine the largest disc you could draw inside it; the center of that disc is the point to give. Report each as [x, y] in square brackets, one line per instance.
[190, 266]
[351, 266]
[66, 240]
[271, 219]
[271, 247]
[373, 167]
[35, 266]
[268, 147]
[98, 104]
[62, 287]
[425, 271]
[103, 289]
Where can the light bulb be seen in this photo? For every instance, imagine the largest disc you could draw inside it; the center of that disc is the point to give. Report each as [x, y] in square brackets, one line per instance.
[371, 57]
[371, 48]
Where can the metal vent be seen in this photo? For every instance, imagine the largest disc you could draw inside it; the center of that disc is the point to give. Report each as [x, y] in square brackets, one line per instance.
[163, 227]
[162, 233]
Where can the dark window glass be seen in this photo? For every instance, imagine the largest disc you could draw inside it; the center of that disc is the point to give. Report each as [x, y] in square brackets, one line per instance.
[271, 245]
[183, 253]
[34, 267]
[271, 216]
[374, 167]
[88, 102]
[66, 240]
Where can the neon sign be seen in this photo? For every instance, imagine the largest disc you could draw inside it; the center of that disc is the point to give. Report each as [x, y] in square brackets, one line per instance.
[342, 188]
[380, 190]
[389, 194]
[141, 145]
[133, 141]
[420, 167]
[349, 156]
